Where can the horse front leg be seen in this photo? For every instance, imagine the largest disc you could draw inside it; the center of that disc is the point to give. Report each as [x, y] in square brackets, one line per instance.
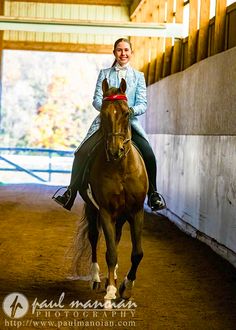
[118, 229]
[118, 232]
[108, 226]
[136, 225]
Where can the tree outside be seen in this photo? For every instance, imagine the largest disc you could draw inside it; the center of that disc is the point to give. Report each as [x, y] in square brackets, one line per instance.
[47, 98]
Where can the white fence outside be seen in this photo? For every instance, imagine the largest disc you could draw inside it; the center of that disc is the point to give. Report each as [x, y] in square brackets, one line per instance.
[54, 170]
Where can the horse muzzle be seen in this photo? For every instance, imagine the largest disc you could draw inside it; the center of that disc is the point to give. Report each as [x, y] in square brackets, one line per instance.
[115, 153]
[117, 146]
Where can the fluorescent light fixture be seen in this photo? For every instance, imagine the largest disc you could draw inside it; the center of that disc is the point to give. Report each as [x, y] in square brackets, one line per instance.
[91, 27]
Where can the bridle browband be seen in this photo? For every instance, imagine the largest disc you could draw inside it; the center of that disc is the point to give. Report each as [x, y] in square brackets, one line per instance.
[115, 97]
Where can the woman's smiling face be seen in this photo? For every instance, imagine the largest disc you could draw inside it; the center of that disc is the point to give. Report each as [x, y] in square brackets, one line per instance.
[123, 53]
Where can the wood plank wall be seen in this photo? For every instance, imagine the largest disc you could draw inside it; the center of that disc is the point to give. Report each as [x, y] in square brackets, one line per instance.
[160, 57]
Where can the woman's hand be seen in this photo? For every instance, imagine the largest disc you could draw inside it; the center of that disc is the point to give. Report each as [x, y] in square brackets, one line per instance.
[131, 112]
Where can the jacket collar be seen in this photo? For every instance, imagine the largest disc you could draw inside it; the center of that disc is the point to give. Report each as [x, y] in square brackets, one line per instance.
[113, 78]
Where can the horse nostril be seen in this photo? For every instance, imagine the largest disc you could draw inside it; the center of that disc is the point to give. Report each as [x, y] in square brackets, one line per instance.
[117, 154]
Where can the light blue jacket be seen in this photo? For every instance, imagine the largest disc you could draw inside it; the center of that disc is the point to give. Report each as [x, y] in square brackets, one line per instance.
[136, 93]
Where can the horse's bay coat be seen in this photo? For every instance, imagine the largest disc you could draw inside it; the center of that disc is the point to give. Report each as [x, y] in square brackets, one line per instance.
[136, 93]
[119, 183]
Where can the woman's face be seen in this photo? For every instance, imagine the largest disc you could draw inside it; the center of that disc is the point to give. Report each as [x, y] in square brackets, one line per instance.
[123, 53]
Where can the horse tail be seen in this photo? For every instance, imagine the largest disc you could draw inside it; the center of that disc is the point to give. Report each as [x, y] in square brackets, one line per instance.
[81, 250]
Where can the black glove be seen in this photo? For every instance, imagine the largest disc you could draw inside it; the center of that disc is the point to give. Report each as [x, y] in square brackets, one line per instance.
[131, 112]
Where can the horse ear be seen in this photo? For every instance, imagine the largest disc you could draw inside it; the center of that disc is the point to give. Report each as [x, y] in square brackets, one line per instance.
[105, 86]
[123, 85]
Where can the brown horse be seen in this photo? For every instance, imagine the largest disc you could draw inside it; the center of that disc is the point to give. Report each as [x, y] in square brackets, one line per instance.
[119, 185]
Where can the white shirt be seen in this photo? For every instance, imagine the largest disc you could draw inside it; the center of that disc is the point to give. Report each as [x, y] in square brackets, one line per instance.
[121, 70]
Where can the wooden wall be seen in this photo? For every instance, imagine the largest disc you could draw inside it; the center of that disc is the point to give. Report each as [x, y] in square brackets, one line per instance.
[160, 57]
[1, 49]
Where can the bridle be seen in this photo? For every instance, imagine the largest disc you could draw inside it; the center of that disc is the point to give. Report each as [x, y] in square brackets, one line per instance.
[116, 97]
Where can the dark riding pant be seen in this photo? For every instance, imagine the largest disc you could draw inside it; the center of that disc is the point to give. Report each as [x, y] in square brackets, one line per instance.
[80, 160]
[148, 157]
[81, 156]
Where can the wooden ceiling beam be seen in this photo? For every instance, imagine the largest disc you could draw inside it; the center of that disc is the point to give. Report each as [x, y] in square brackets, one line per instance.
[81, 2]
[135, 6]
[57, 47]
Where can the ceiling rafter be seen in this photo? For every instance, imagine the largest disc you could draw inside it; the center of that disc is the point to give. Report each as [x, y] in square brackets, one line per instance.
[58, 47]
[85, 2]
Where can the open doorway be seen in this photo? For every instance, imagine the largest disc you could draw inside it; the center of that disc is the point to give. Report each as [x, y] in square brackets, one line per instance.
[46, 104]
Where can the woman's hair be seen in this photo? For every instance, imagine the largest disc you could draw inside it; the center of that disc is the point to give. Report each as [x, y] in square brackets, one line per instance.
[117, 42]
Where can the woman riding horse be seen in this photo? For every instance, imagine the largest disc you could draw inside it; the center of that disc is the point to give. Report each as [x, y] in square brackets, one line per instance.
[137, 101]
[118, 181]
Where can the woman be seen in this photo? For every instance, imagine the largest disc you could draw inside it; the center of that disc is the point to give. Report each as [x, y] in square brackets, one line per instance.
[137, 101]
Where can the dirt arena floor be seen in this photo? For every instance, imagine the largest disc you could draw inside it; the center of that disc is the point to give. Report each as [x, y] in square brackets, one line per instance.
[181, 283]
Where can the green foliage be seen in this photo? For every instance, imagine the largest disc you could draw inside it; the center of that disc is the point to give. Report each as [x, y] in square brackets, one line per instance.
[47, 97]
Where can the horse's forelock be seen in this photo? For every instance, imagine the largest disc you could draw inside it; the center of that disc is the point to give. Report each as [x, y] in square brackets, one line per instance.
[112, 91]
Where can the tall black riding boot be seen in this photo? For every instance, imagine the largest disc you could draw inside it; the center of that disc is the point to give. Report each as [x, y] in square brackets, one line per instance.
[155, 201]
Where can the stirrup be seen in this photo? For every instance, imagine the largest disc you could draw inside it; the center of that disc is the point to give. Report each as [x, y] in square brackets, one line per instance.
[53, 197]
[66, 200]
[162, 200]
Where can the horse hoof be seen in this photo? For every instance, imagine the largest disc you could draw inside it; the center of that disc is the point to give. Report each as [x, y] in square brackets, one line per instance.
[125, 292]
[122, 289]
[95, 286]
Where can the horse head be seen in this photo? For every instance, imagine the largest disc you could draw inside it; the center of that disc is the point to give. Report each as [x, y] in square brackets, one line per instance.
[115, 124]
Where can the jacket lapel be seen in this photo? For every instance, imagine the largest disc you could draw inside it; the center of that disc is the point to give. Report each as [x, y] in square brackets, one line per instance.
[112, 78]
[130, 78]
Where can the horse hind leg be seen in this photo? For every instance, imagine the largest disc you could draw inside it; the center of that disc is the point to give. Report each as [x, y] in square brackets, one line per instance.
[126, 286]
[93, 235]
[95, 282]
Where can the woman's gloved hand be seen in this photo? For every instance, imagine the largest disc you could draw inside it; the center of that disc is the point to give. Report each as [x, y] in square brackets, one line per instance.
[131, 110]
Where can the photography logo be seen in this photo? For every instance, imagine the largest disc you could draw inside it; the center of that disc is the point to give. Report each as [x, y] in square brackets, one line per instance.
[15, 305]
